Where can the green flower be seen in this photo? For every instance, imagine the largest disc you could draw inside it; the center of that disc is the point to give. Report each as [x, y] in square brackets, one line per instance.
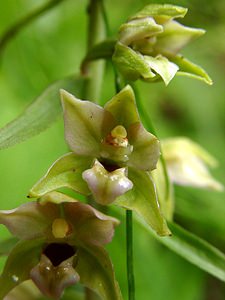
[112, 157]
[149, 44]
[61, 243]
[188, 163]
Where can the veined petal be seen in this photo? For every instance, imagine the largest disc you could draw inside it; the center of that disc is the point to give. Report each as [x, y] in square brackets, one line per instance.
[96, 272]
[90, 225]
[143, 200]
[106, 186]
[30, 220]
[187, 164]
[65, 172]
[146, 149]
[83, 122]
[52, 280]
[123, 107]
[161, 12]
[131, 64]
[174, 37]
[163, 67]
[23, 257]
[138, 29]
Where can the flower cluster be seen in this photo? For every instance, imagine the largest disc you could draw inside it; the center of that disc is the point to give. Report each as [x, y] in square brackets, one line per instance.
[149, 44]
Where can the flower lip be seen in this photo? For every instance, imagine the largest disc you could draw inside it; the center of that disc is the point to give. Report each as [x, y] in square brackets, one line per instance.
[59, 252]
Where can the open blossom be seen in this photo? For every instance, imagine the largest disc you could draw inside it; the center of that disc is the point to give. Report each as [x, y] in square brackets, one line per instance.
[112, 156]
[149, 44]
[61, 243]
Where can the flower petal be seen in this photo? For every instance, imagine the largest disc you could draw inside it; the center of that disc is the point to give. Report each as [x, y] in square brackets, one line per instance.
[96, 272]
[24, 256]
[123, 107]
[106, 186]
[146, 149]
[83, 122]
[30, 220]
[163, 67]
[189, 69]
[161, 12]
[175, 36]
[131, 64]
[65, 172]
[138, 29]
[90, 226]
[187, 164]
[25, 291]
[53, 280]
[143, 200]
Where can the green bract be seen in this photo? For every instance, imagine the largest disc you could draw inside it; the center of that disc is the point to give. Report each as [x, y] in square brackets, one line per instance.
[149, 44]
[61, 243]
[112, 156]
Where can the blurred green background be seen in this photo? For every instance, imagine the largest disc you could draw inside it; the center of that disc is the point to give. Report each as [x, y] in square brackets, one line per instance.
[51, 48]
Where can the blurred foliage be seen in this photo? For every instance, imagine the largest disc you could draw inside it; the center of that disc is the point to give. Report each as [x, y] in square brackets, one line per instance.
[52, 47]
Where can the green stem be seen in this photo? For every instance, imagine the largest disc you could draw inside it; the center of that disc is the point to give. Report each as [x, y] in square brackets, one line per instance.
[94, 71]
[18, 26]
[129, 240]
[150, 127]
[96, 33]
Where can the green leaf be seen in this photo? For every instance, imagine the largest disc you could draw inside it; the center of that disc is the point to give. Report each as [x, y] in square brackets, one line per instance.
[143, 200]
[40, 114]
[65, 172]
[7, 245]
[96, 272]
[189, 69]
[194, 249]
[24, 256]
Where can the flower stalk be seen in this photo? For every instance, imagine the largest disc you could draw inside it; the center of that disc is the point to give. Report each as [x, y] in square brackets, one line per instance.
[129, 242]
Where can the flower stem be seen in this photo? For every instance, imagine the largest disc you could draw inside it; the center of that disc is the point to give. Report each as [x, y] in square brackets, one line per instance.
[149, 126]
[129, 240]
[96, 33]
[94, 71]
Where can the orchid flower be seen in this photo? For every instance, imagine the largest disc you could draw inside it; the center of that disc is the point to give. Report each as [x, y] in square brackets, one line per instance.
[61, 242]
[112, 157]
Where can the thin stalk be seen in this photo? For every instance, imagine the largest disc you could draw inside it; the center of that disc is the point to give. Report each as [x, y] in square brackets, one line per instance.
[96, 33]
[129, 241]
[19, 25]
[149, 126]
[94, 71]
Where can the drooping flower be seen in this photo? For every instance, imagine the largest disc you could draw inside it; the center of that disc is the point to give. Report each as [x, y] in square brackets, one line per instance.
[149, 44]
[112, 157]
[61, 242]
[187, 163]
